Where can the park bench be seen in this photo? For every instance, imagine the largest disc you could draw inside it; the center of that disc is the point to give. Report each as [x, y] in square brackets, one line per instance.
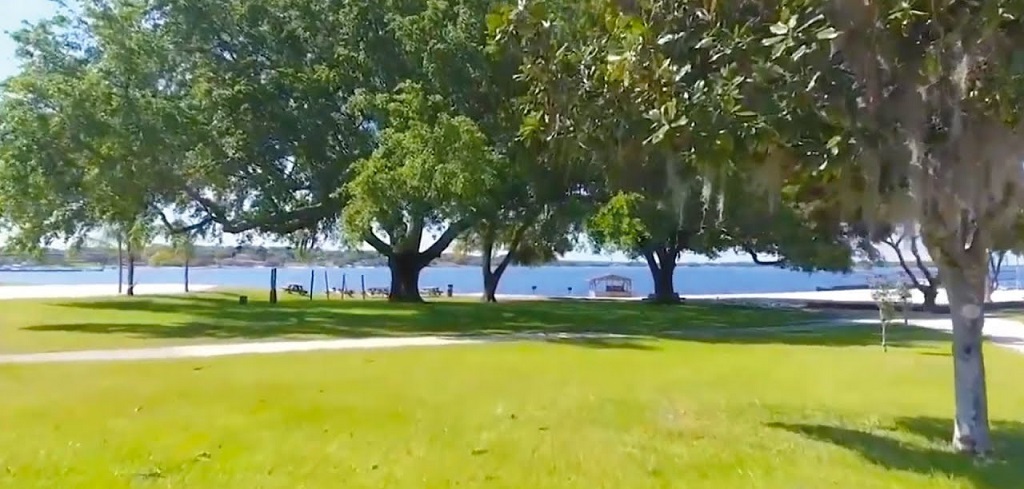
[296, 289]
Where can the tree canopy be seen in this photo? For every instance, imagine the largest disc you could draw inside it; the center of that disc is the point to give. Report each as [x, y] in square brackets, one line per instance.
[910, 108]
[791, 130]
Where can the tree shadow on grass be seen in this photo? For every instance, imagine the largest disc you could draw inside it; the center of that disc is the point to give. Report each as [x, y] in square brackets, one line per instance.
[930, 452]
[605, 343]
[220, 316]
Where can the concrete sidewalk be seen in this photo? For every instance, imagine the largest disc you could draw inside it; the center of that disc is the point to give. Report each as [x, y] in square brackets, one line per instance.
[228, 349]
[1004, 332]
[10, 292]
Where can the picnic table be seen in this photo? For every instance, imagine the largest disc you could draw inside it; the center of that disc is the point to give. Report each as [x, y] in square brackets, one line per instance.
[345, 292]
[431, 291]
[384, 291]
[378, 291]
[296, 289]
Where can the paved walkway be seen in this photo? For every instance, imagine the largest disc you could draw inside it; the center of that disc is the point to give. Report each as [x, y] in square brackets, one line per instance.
[228, 349]
[1003, 332]
[91, 290]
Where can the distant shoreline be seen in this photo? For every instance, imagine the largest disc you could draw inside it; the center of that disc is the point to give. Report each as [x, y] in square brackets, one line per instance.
[94, 267]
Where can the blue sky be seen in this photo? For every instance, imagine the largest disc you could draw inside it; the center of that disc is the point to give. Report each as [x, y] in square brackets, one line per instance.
[16, 12]
[12, 14]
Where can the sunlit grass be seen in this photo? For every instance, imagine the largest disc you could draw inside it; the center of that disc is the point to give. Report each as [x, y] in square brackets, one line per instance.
[826, 409]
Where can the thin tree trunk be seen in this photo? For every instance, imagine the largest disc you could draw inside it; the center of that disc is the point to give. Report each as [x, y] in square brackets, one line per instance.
[405, 276]
[131, 270]
[493, 276]
[965, 286]
[120, 266]
[186, 273]
[995, 265]
[490, 281]
[490, 286]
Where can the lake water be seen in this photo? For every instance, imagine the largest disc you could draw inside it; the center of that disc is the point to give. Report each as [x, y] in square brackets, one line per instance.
[517, 280]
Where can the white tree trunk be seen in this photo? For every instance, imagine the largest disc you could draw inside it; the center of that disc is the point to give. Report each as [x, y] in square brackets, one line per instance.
[965, 286]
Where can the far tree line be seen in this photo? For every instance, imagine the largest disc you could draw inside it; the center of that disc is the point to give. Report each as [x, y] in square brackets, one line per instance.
[793, 131]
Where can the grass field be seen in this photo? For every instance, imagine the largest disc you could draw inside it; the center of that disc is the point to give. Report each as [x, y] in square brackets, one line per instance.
[64, 324]
[783, 411]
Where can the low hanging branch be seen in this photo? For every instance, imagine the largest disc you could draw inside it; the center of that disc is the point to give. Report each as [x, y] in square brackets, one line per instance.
[174, 228]
[755, 256]
[283, 222]
[895, 243]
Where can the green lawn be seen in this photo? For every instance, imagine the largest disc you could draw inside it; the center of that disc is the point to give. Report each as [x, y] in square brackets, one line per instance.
[50, 325]
[809, 410]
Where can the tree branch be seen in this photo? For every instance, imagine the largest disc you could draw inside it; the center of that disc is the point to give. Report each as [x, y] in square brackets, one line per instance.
[174, 229]
[283, 223]
[513, 245]
[920, 263]
[895, 245]
[651, 262]
[378, 244]
[445, 240]
[995, 265]
[757, 259]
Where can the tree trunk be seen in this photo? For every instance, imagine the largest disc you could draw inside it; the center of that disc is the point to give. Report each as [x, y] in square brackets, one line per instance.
[406, 266]
[662, 265]
[490, 286]
[490, 280]
[186, 274]
[930, 295]
[131, 271]
[965, 285]
[493, 276]
[120, 267]
[405, 276]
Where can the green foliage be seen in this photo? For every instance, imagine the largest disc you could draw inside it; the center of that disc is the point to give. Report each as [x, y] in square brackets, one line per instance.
[616, 225]
[711, 120]
[430, 168]
[83, 141]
